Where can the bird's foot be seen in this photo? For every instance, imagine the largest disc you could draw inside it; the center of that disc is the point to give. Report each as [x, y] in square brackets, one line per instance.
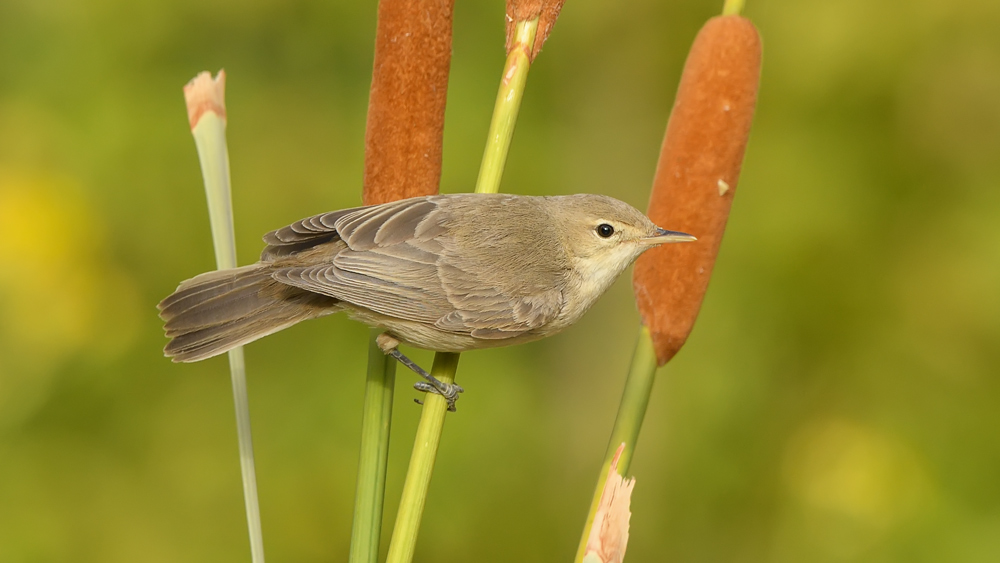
[449, 391]
[432, 384]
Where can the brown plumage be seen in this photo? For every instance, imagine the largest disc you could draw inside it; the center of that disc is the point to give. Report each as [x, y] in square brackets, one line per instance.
[446, 272]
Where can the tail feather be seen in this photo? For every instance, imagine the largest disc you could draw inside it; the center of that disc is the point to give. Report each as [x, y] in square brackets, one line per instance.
[212, 341]
[218, 311]
[208, 285]
[220, 304]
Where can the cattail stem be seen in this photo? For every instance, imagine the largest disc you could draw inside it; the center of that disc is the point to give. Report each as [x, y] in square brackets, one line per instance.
[207, 115]
[515, 76]
[374, 455]
[631, 411]
[733, 7]
[402, 159]
[695, 181]
[418, 475]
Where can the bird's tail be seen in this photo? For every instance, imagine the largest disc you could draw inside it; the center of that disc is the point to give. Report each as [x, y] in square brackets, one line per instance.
[218, 311]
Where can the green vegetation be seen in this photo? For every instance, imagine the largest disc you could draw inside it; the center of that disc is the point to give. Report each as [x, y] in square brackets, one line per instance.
[836, 400]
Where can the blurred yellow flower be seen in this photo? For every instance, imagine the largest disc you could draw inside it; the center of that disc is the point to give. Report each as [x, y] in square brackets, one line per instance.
[844, 467]
[59, 293]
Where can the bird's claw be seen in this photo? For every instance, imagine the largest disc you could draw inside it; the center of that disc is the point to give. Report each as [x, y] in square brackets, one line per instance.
[449, 391]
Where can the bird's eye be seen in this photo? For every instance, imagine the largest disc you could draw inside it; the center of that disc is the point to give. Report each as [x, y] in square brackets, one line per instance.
[605, 230]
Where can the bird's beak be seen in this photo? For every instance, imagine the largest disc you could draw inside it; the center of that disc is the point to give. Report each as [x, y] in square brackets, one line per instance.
[663, 235]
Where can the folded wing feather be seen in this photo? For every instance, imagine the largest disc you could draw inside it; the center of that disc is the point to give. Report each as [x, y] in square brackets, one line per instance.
[399, 262]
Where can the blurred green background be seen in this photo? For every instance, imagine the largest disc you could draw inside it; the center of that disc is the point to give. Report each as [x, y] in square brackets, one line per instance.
[837, 401]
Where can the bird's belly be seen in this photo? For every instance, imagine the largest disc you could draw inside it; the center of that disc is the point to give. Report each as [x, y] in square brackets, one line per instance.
[429, 337]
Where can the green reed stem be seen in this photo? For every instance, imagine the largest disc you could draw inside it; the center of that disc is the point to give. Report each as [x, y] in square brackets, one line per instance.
[210, 138]
[515, 76]
[375, 425]
[631, 411]
[733, 7]
[418, 476]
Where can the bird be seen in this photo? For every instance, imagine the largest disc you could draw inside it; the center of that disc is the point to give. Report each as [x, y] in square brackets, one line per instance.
[447, 272]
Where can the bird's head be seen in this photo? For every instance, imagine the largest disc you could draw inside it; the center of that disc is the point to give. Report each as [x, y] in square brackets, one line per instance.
[603, 236]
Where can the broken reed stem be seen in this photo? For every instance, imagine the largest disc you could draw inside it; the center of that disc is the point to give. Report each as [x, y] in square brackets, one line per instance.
[418, 475]
[207, 115]
[374, 455]
[631, 411]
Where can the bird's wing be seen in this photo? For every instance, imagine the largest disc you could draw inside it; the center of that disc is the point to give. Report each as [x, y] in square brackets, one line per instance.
[399, 262]
[487, 311]
[303, 234]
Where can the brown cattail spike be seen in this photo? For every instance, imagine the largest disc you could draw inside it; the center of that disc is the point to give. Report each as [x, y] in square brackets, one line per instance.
[696, 176]
[547, 11]
[406, 106]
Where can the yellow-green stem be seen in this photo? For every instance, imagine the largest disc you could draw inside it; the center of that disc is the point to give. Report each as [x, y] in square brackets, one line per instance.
[733, 7]
[635, 397]
[631, 411]
[374, 456]
[418, 476]
[210, 138]
[515, 76]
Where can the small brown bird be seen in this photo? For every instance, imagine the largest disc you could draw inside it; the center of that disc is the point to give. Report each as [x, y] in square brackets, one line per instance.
[447, 273]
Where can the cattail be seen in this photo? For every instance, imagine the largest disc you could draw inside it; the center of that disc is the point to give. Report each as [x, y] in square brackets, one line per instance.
[696, 176]
[402, 159]
[408, 94]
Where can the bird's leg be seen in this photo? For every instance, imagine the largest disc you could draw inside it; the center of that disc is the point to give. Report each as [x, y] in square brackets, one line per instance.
[389, 345]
